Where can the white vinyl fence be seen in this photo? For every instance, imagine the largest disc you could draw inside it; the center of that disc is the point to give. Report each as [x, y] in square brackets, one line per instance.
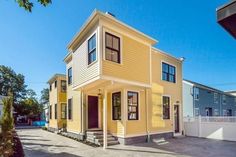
[221, 128]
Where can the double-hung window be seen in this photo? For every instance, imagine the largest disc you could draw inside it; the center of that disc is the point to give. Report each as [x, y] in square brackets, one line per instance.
[112, 52]
[166, 107]
[168, 73]
[63, 111]
[116, 106]
[133, 106]
[69, 73]
[55, 109]
[69, 108]
[63, 86]
[92, 49]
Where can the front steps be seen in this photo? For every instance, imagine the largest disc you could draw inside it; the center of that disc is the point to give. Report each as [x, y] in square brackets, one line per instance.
[96, 137]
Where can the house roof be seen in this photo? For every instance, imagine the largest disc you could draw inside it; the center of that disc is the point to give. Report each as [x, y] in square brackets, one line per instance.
[95, 15]
[54, 77]
[205, 87]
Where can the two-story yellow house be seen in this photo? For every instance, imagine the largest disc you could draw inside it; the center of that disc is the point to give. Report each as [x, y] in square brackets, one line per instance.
[57, 102]
[118, 83]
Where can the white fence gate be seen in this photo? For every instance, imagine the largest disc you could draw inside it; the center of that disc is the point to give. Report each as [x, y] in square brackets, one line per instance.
[221, 128]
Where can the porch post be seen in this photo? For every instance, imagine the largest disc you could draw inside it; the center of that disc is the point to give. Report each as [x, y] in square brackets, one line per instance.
[105, 120]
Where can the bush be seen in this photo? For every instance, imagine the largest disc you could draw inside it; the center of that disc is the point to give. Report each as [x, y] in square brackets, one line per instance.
[44, 128]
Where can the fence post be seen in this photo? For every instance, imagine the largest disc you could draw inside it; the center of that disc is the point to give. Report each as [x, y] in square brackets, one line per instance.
[199, 126]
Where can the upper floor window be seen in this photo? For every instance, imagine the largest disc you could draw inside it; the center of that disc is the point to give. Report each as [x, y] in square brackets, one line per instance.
[55, 84]
[224, 99]
[168, 73]
[50, 87]
[132, 105]
[166, 107]
[112, 44]
[92, 49]
[216, 98]
[50, 112]
[116, 106]
[63, 86]
[69, 75]
[196, 93]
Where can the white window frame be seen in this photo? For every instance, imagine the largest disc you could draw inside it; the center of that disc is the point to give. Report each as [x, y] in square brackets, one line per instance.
[196, 93]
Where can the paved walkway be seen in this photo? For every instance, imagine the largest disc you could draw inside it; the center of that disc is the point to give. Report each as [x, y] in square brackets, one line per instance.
[39, 143]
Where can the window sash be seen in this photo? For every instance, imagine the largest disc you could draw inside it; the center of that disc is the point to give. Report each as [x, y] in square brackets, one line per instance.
[69, 75]
[133, 110]
[116, 106]
[92, 49]
[112, 48]
[168, 73]
[166, 107]
[63, 111]
[55, 109]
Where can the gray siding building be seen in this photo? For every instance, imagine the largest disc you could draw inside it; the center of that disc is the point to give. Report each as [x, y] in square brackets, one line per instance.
[202, 100]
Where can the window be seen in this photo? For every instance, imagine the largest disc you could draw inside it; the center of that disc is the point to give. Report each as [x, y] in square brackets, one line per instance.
[92, 49]
[69, 108]
[166, 107]
[55, 109]
[50, 87]
[216, 112]
[69, 75]
[133, 106]
[196, 112]
[63, 111]
[196, 93]
[116, 106]
[168, 73]
[112, 52]
[216, 98]
[63, 86]
[224, 99]
[55, 84]
[50, 112]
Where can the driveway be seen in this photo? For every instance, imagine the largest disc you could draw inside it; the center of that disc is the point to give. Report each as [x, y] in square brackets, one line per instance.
[37, 142]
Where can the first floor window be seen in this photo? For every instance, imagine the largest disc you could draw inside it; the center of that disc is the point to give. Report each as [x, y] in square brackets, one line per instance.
[50, 112]
[116, 106]
[69, 108]
[166, 107]
[133, 105]
[196, 110]
[55, 111]
[216, 112]
[63, 111]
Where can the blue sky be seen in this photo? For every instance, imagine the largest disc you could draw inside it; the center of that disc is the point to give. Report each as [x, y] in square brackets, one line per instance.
[34, 44]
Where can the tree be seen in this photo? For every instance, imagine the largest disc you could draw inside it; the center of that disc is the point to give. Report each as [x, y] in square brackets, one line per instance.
[28, 5]
[11, 81]
[44, 100]
[7, 119]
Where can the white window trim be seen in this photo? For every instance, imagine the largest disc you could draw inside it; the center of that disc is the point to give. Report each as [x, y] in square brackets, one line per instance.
[194, 97]
[104, 45]
[96, 36]
[163, 61]
[116, 91]
[166, 95]
[139, 115]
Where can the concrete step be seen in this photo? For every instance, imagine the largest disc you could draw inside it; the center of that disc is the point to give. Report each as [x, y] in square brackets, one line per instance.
[109, 143]
[108, 139]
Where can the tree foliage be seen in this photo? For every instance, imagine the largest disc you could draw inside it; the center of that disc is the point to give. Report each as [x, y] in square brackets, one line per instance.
[44, 99]
[7, 119]
[28, 5]
[11, 81]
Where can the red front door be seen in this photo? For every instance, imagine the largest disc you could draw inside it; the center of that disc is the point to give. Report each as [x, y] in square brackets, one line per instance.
[92, 112]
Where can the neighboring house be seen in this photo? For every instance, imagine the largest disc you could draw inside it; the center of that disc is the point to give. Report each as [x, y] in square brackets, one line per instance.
[203, 100]
[57, 102]
[232, 92]
[119, 83]
[226, 17]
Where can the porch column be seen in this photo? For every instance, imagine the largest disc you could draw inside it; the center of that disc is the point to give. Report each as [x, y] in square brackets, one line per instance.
[105, 120]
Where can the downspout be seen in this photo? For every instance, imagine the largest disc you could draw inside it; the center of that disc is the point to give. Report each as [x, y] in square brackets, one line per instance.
[146, 110]
[81, 111]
